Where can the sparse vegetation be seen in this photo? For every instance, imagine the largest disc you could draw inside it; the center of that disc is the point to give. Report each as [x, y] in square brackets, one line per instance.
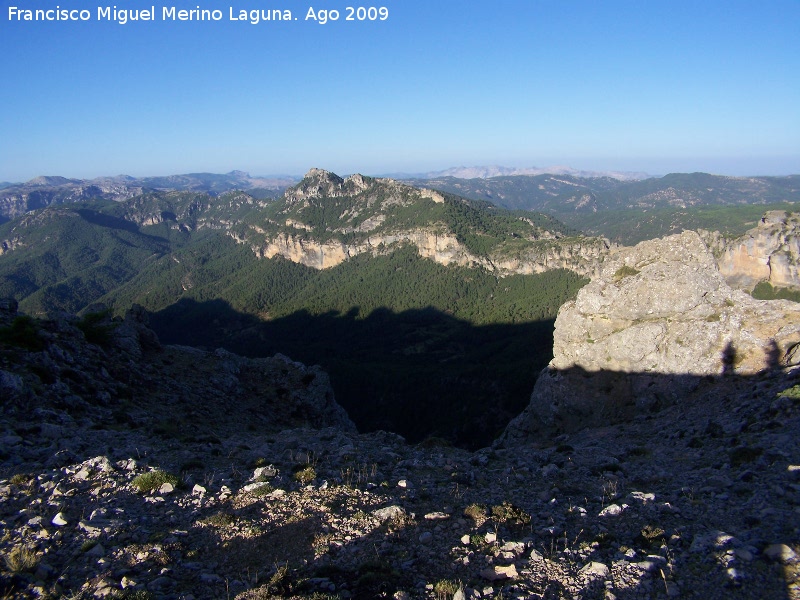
[792, 393]
[624, 271]
[21, 559]
[511, 514]
[476, 512]
[21, 479]
[153, 480]
[765, 291]
[445, 589]
[305, 474]
[220, 519]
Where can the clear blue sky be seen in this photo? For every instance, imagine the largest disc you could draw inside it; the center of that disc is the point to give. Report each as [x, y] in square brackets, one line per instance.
[639, 85]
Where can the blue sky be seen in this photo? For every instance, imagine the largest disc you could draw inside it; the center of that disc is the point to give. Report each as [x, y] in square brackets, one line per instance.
[639, 86]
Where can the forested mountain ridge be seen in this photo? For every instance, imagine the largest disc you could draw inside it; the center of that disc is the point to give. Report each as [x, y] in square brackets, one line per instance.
[628, 212]
[565, 193]
[325, 220]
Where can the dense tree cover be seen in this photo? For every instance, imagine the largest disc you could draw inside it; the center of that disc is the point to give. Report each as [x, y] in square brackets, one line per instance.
[72, 256]
[765, 291]
[631, 226]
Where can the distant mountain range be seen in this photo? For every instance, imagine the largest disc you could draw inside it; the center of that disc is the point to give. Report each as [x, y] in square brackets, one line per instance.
[498, 171]
[625, 207]
[40, 192]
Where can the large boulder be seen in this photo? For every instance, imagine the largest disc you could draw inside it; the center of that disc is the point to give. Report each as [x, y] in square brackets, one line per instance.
[658, 320]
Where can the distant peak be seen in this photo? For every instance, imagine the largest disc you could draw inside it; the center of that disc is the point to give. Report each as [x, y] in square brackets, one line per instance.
[315, 173]
[48, 180]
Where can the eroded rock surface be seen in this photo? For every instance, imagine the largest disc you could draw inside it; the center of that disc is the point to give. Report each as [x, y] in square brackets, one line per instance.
[658, 321]
[769, 252]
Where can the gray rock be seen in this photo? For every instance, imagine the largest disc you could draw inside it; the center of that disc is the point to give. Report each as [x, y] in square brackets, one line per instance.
[595, 570]
[388, 512]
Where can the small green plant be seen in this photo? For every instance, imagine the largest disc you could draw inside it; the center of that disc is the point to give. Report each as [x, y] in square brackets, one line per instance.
[132, 595]
[220, 519]
[508, 513]
[624, 271]
[792, 393]
[651, 535]
[21, 559]
[305, 475]
[261, 491]
[21, 479]
[23, 333]
[96, 327]
[153, 480]
[446, 588]
[476, 512]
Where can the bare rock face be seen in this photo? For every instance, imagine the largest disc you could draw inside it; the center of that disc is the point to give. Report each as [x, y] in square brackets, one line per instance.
[769, 252]
[658, 321]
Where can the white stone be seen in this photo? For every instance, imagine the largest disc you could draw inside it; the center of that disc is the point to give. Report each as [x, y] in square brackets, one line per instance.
[612, 510]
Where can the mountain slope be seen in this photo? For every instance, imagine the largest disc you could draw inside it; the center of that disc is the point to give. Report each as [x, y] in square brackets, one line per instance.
[422, 339]
[628, 212]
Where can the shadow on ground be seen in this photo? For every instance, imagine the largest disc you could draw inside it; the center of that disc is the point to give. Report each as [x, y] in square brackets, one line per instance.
[419, 373]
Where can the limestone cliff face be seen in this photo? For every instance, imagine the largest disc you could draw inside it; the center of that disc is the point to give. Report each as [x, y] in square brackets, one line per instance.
[582, 257]
[769, 252]
[658, 320]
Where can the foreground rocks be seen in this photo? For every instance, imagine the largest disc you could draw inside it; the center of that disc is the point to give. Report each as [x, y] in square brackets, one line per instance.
[178, 474]
[703, 504]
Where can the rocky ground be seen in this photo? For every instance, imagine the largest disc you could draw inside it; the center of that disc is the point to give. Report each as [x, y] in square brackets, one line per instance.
[131, 470]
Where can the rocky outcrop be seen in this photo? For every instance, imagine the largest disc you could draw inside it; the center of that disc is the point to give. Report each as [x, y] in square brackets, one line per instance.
[104, 368]
[650, 329]
[768, 252]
